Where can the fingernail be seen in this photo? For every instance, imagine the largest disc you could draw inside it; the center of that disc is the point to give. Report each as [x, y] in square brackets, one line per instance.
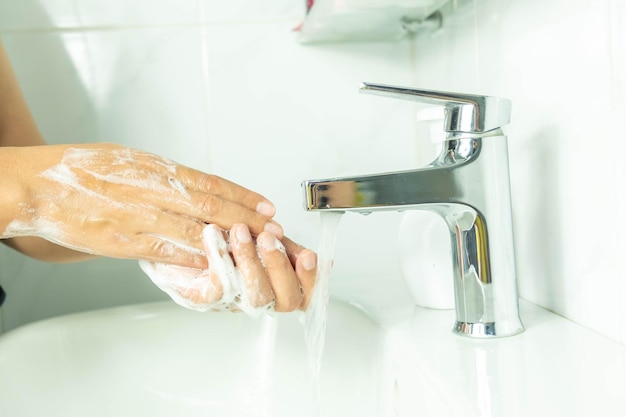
[309, 261]
[265, 209]
[274, 229]
[270, 242]
[243, 234]
[210, 232]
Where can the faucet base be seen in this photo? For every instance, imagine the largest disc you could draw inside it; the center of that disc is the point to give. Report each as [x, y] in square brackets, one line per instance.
[484, 330]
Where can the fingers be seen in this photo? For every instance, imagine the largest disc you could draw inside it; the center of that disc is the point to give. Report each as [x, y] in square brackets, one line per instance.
[269, 274]
[178, 240]
[256, 287]
[220, 263]
[213, 288]
[268, 269]
[225, 213]
[257, 275]
[306, 270]
[292, 248]
[217, 200]
[160, 249]
[212, 184]
[285, 284]
[191, 288]
[304, 262]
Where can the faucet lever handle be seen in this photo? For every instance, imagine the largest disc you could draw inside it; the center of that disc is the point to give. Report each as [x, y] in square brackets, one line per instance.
[465, 113]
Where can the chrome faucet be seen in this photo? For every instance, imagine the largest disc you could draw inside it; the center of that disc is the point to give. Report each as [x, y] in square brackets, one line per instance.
[468, 185]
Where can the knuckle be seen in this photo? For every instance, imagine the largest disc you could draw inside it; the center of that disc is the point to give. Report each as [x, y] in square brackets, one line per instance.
[162, 249]
[251, 200]
[211, 205]
[209, 184]
[192, 230]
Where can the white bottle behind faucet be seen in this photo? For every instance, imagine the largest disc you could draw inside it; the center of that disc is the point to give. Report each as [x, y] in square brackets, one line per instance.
[424, 238]
[425, 259]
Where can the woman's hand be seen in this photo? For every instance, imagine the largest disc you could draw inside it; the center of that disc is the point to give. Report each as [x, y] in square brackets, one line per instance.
[109, 200]
[254, 278]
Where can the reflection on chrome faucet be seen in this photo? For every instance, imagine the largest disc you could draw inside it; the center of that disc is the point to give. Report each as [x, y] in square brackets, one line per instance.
[468, 185]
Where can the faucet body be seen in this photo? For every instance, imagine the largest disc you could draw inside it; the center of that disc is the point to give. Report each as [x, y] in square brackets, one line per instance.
[467, 185]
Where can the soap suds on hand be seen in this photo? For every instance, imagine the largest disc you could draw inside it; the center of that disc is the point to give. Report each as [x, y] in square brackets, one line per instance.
[180, 283]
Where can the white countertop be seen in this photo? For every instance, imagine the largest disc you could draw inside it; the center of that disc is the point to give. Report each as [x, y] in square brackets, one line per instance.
[554, 368]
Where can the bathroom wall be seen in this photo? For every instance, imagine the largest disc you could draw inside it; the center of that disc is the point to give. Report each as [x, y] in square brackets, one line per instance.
[226, 87]
[563, 65]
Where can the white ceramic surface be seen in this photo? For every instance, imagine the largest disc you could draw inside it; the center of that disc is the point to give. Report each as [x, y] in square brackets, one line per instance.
[162, 360]
[426, 259]
[554, 368]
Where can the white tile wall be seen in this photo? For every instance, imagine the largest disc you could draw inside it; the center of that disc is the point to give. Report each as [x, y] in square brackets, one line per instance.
[618, 106]
[37, 14]
[216, 11]
[226, 87]
[556, 62]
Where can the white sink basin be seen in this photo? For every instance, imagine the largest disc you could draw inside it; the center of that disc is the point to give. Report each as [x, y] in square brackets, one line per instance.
[555, 368]
[162, 360]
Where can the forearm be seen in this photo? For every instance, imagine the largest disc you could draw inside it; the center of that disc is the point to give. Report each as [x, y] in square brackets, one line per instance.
[43, 250]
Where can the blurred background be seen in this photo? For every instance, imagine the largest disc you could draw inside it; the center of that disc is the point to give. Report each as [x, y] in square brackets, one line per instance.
[228, 88]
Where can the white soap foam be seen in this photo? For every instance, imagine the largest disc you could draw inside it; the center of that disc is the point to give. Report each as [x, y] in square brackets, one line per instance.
[179, 282]
[115, 166]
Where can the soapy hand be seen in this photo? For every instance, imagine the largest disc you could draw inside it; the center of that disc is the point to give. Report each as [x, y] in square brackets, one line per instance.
[109, 200]
[65, 203]
[254, 278]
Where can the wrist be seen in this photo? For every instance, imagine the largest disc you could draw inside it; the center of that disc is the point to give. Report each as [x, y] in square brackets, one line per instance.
[12, 187]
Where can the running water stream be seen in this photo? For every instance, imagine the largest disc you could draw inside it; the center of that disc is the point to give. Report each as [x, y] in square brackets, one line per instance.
[317, 311]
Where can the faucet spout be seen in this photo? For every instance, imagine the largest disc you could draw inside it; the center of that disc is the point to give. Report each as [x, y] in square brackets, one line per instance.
[438, 183]
[467, 185]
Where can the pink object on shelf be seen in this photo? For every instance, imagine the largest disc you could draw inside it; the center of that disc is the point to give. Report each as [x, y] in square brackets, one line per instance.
[309, 4]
